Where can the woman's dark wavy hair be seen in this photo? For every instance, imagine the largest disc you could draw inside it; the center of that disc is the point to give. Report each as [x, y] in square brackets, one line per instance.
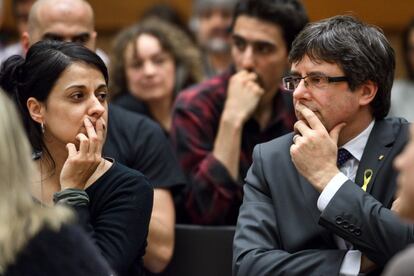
[290, 15]
[35, 76]
[171, 39]
[362, 51]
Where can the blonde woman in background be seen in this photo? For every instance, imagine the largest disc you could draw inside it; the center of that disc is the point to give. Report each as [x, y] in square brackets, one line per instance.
[35, 240]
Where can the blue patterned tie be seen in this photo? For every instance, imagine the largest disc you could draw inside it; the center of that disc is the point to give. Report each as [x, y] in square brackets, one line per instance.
[343, 156]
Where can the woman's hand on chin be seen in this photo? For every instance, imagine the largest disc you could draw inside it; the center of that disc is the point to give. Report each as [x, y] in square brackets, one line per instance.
[81, 164]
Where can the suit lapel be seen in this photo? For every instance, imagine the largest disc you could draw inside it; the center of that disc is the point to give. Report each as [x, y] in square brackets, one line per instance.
[375, 153]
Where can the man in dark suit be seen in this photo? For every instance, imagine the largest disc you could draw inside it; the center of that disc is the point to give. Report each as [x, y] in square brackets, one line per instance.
[305, 211]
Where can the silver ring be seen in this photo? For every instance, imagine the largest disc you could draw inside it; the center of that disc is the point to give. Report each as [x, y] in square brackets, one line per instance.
[296, 136]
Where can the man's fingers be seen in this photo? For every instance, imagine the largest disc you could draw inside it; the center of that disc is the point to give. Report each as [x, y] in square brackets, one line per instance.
[246, 76]
[302, 128]
[254, 88]
[310, 117]
[334, 133]
[296, 136]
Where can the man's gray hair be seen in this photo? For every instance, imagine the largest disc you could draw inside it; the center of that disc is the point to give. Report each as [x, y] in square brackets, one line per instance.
[202, 5]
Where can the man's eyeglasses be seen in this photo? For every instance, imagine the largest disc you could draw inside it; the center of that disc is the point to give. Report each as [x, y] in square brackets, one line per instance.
[290, 83]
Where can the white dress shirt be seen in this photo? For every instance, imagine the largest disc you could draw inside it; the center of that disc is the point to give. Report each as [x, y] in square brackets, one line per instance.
[352, 260]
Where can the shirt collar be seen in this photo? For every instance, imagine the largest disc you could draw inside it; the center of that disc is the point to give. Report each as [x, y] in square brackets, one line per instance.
[356, 145]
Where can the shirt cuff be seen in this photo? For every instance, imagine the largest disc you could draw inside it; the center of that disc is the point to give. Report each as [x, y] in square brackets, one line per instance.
[351, 263]
[328, 193]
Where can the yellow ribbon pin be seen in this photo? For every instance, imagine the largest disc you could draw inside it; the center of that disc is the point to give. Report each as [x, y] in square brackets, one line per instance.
[367, 178]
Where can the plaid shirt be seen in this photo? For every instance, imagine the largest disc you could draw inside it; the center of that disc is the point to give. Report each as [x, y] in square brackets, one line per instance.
[213, 197]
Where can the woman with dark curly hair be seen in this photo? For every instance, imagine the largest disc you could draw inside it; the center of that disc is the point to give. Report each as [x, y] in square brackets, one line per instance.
[152, 61]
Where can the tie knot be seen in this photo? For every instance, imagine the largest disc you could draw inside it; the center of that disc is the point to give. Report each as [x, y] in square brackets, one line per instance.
[343, 156]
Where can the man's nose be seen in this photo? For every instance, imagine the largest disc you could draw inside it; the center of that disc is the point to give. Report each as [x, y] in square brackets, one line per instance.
[301, 90]
[247, 59]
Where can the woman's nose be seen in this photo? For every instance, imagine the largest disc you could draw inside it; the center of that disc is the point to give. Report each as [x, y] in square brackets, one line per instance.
[149, 68]
[97, 108]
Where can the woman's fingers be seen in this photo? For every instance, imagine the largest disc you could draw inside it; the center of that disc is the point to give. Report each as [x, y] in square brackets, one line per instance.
[91, 144]
[83, 143]
[82, 162]
[92, 136]
[71, 149]
[100, 132]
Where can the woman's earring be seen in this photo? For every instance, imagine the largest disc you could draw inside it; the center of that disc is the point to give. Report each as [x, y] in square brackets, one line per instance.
[42, 127]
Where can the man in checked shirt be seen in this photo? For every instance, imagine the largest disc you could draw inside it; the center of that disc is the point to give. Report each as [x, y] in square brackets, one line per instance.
[217, 123]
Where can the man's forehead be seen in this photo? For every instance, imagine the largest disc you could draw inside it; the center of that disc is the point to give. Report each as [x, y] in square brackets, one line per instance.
[216, 10]
[314, 65]
[256, 30]
[65, 29]
[63, 15]
[258, 42]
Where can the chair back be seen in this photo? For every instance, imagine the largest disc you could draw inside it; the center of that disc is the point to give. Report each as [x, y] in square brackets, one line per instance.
[202, 251]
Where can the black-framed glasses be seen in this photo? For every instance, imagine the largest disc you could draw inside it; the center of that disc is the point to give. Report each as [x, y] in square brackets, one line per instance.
[290, 83]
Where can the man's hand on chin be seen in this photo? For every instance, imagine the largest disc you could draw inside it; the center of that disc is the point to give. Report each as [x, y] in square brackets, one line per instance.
[314, 149]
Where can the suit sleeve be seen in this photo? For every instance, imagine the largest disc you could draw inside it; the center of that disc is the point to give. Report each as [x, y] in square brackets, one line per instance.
[258, 249]
[359, 218]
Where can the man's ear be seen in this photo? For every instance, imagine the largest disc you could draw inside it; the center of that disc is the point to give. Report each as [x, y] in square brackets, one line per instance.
[36, 110]
[25, 41]
[368, 92]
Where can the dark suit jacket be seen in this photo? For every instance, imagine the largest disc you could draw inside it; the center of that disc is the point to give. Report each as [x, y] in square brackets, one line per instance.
[280, 230]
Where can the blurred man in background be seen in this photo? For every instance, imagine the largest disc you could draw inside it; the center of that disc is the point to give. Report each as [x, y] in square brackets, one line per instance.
[211, 25]
[21, 10]
[217, 123]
